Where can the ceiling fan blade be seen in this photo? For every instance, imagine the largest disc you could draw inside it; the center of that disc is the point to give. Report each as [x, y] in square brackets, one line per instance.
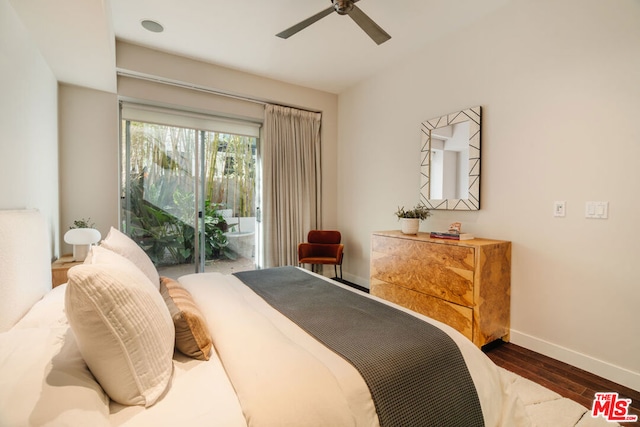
[374, 31]
[304, 24]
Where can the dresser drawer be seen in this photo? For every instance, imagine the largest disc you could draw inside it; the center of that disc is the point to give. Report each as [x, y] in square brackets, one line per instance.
[456, 316]
[465, 284]
[439, 270]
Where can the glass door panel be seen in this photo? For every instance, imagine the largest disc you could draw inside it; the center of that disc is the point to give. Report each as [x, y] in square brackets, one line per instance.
[160, 193]
[230, 189]
[189, 197]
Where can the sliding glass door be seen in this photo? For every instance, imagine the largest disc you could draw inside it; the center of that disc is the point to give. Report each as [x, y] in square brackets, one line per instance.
[189, 190]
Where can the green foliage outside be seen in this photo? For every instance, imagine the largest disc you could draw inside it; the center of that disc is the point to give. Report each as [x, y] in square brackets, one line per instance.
[159, 200]
[169, 239]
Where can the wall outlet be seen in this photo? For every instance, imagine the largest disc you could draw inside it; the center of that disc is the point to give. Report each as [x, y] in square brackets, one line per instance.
[559, 209]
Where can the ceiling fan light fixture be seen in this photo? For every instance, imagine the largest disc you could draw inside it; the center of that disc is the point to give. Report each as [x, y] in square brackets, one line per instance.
[343, 7]
[153, 26]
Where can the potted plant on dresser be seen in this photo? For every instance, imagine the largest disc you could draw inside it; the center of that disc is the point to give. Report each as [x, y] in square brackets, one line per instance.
[410, 219]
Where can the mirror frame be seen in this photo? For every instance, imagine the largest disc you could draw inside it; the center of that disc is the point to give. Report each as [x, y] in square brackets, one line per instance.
[472, 203]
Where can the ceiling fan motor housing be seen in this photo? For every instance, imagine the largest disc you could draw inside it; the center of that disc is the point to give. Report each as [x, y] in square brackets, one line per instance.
[343, 7]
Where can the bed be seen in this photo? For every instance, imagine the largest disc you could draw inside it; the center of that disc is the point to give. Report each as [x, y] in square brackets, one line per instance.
[260, 352]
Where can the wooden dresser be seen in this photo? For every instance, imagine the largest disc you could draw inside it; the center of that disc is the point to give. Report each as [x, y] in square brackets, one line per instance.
[465, 284]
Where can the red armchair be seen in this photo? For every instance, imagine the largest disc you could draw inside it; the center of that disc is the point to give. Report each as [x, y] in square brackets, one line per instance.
[322, 247]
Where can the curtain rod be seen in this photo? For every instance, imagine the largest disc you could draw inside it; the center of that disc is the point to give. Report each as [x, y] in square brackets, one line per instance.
[200, 88]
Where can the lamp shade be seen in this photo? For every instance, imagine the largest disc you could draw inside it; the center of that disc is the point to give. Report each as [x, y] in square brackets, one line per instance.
[82, 236]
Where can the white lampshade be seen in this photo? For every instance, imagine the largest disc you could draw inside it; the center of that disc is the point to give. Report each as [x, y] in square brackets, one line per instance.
[81, 239]
[82, 236]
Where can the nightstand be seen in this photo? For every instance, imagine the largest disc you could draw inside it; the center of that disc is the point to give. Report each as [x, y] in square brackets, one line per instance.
[59, 269]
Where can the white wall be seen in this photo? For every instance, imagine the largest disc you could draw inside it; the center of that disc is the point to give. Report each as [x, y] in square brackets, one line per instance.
[88, 158]
[559, 83]
[28, 125]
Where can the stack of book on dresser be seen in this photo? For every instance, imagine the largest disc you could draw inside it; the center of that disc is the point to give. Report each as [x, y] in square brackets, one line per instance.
[451, 235]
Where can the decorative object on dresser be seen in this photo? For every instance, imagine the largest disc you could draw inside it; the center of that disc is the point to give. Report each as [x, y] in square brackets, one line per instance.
[465, 284]
[454, 233]
[451, 236]
[410, 219]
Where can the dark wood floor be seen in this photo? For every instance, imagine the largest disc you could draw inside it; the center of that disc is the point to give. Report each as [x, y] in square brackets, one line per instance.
[566, 380]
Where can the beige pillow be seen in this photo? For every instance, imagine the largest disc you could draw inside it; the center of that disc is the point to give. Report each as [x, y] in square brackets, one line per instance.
[192, 334]
[102, 255]
[122, 244]
[123, 329]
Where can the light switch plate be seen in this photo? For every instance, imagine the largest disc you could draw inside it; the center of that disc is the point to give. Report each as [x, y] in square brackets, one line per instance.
[596, 210]
[559, 209]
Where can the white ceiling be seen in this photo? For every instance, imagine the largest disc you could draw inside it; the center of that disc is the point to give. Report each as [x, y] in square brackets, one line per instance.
[77, 36]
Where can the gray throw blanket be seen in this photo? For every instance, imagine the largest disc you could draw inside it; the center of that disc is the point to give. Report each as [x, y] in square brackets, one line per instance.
[415, 372]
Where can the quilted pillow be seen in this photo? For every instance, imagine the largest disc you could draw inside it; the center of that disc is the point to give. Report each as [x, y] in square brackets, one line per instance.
[192, 335]
[122, 244]
[123, 328]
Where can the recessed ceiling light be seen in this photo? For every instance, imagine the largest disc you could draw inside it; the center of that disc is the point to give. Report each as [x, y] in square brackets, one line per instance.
[152, 26]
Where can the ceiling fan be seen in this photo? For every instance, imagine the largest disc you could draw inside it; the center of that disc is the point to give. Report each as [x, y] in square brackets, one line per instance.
[343, 7]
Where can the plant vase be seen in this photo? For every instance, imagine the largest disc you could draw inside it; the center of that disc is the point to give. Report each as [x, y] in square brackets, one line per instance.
[409, 225]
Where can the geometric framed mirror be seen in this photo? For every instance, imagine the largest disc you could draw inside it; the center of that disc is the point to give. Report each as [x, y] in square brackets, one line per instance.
[450, 161]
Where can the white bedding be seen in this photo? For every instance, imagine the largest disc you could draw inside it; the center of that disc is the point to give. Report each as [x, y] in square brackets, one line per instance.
[259, 347]
[279, 374]
[45, 382]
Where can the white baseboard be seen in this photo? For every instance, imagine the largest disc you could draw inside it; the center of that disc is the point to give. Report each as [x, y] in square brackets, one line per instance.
[357, 280]
[601, 368]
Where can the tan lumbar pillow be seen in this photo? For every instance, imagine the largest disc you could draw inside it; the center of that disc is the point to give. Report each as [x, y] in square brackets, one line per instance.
[192, 334]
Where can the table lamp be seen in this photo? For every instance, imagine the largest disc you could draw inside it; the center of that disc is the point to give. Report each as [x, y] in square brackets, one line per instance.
[81, 239]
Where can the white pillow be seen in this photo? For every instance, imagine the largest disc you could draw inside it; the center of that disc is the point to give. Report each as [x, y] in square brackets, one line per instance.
[124, 330]
[102, 255]
[122, 244]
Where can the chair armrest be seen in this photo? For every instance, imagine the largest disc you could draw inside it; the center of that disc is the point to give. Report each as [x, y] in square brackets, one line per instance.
[340, 253]
[305, 250]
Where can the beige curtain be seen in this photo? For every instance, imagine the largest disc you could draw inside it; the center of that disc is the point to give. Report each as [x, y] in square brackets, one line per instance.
[291, 181]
